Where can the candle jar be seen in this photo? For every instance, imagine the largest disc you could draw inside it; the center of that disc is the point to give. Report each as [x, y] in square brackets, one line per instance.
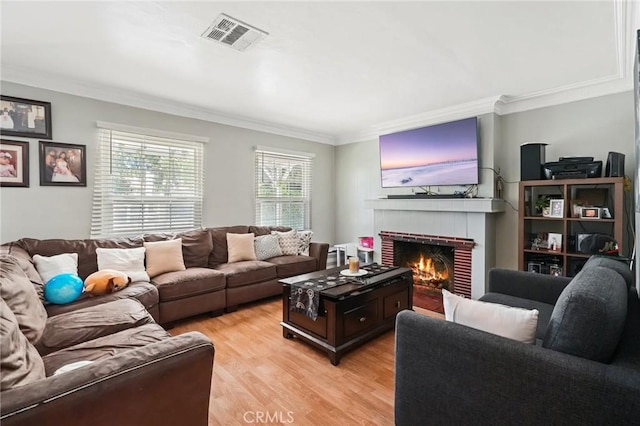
[354, 265]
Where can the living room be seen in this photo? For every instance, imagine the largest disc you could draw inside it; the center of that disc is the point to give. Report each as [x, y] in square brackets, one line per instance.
[575, 114]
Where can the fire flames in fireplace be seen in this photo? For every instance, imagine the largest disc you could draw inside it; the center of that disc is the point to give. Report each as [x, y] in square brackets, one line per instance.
[432, 271]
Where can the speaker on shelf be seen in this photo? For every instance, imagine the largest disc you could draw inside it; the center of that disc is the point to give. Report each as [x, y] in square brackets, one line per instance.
[615, 165]
[532, 160]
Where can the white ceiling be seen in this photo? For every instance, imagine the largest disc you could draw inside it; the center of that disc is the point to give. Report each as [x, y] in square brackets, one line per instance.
[328, 71]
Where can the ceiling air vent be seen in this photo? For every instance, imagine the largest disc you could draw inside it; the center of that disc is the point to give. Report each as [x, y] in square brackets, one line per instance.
[233, 33]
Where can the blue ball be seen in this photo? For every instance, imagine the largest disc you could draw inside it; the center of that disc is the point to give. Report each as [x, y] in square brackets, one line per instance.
[63, 288]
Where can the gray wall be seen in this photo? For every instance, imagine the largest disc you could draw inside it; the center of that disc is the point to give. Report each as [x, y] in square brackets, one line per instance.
[65, 212]
[591, 127]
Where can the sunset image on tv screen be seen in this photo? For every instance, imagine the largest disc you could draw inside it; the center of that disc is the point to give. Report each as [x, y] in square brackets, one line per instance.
[444, 154]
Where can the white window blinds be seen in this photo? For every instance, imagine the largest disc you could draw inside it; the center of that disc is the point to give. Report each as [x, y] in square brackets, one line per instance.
[146, 184]
[283, 189]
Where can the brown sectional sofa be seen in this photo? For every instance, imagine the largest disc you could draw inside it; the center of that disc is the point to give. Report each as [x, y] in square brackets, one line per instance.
[129, 355]
[119, 333]
[209, 283]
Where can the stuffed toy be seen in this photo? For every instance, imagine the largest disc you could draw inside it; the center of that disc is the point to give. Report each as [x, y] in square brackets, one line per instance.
[105, 281]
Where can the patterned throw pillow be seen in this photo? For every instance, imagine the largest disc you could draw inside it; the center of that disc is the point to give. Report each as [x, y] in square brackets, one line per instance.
[305, 241]
[289, 242]
[267, 246]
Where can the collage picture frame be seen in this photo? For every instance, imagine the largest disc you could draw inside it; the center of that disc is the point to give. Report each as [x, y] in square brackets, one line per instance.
[25, 118]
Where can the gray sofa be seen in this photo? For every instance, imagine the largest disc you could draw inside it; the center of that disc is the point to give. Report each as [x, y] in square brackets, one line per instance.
[584, 368]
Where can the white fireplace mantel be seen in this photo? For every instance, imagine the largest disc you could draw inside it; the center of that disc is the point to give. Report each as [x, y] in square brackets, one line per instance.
[470, 218]
[465, 205]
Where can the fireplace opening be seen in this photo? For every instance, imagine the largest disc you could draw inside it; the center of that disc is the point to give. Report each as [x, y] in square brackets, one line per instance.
[433, 270]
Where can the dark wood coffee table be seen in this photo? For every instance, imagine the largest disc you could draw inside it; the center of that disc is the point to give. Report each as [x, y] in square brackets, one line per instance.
[348, 314]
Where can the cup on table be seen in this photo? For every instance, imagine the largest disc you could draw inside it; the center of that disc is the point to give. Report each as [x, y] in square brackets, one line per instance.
[354, 265]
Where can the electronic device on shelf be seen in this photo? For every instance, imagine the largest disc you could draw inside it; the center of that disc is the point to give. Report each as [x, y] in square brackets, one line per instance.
[573, 168]
[442, 154]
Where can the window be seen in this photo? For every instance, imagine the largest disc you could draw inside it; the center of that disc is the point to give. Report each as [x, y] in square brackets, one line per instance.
[283, 188]
[146, 182]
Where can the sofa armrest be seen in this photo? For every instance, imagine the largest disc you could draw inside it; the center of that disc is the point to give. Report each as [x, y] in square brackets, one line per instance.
[319, 251]
[447, 373]
[539, 287]
[166, 382]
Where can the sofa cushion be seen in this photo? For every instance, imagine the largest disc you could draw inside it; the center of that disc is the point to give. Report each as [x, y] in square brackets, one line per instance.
[589, 316]
[86, 249]
[163, 256]
[289, 242]
[196, 246]
[289, 266]
[20, 363]
[26, 263]
[544, 309]
[267, 246]
[612, 263]
[187, 283]
[21, 297]
[89, 323]
[145, 293]
[105, 347]
[129, 261]
[240, 247]
[50, 266]
[219, 254]
[248, 272]
[506, 321]
[265, 230]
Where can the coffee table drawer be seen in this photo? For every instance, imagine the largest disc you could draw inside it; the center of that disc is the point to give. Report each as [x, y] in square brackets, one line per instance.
[396, 303]
[361, 318]
[319, 326]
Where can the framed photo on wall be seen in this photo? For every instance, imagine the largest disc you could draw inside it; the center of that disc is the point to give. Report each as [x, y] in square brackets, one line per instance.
[14, 163]
[62, 164]
[25, 118]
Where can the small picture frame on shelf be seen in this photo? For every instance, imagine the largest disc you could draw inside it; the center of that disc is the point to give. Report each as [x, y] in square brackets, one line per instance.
[590, 213]
[535, 267]
[555, 241]
[556, 208]
[555, 270]
[605, 213]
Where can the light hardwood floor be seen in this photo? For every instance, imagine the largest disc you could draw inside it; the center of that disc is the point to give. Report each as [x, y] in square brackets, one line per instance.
[257, 372]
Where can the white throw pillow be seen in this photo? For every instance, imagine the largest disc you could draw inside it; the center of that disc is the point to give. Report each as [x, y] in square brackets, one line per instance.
[50, 266]
[128, 261]
[289, 242]
[240, 247]
[506, 321]
[267, 246]
[164, 256]
[305, 241]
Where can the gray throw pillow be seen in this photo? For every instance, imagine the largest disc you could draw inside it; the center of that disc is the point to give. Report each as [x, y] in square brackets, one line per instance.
[267, 246]
[612, 263]
[589, 316]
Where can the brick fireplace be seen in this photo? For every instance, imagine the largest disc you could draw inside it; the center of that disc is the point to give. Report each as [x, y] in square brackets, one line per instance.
[438, 262]
[465, 225]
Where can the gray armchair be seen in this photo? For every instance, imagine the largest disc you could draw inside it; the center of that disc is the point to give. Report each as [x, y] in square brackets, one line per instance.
[447, 373]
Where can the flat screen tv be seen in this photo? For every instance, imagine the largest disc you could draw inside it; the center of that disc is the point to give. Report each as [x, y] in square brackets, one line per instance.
[443, 154]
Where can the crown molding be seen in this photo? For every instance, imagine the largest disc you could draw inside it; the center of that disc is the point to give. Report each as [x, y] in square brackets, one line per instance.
[85, 89]
[454, 112]
[626, 23]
